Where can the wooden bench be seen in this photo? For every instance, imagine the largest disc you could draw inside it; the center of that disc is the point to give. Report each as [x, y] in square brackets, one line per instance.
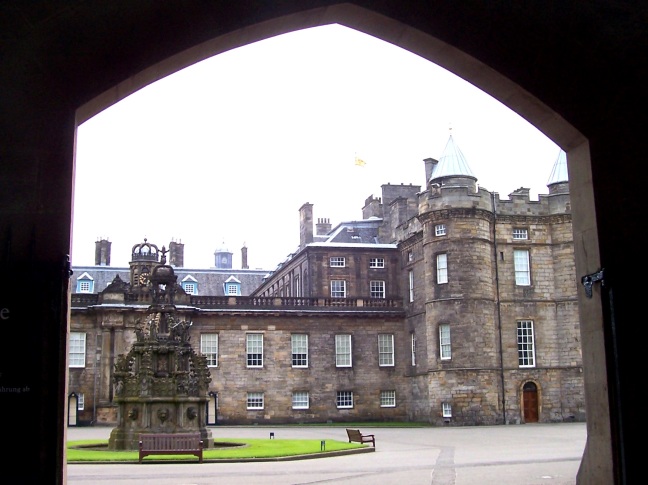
[356, 435]
[171, 444]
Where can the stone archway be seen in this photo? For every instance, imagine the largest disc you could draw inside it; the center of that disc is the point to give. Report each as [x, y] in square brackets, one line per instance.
[481, 75]
[61, 63]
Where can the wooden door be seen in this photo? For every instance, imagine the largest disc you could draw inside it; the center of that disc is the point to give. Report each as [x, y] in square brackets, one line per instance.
[530, 402]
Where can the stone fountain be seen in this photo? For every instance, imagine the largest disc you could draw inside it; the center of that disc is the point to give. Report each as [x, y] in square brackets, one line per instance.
[161, 384]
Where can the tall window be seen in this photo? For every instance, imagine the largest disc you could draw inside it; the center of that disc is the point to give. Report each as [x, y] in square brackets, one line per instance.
[410, 279]
[444, 341]
[254, 349]
[442, 268]
[413, 345]
[337, 262]
[520, 234]
[446, 409]
[338, 289]
[386, 350]
[387, 399]
[344, 399]
[440, 230]
[525, 344]
[377, 262]
[255, 400]
[343, 350]
[522, 267]
[80, 401]
[209, 348]
[300, 400]
[77, 354]
[377, 289]
[299, 344]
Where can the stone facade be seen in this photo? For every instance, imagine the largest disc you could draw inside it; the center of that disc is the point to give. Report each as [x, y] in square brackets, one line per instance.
[474, 295]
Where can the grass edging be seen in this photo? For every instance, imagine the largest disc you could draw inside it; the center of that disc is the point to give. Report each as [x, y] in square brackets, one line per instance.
[95, 451]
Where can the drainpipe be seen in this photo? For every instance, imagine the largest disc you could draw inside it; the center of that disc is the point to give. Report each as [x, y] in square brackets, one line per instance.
[499, 308]
[96, 376]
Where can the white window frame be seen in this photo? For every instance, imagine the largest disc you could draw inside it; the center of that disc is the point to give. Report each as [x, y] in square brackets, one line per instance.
[190, 288]
[80, 401]
[337, 262]
[413, 348]
[445, 342]
[338, 289]
[77, 351]
[377, 289]
[386, 350]
[299, 349]
[442, 268]
[410, 279]
[85, 286]
[446, 409]
[387, 399]
[520, 234]
[254, 350]
[209, 348]
[410, 256]
[300, 400]
[343, 350]
[376, 262]
[232, 289]
[440, 230]
[344, 399]
[526, 344]
[522, 265]
[255, 401]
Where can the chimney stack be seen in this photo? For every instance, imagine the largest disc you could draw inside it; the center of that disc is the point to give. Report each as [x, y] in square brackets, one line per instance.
[102, 252]
[323, 227]
[244, 262]
[429, 167]
[305, 225]
[176, 254]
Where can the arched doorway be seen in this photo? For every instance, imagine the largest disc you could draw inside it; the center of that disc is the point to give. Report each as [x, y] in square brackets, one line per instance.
[530, 402]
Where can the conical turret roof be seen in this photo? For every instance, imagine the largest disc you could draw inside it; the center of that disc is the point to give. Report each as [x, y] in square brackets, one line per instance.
[452, 163]
[559, 170]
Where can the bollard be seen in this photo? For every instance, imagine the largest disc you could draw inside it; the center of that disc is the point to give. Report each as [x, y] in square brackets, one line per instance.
[323, 445]
[271, 436]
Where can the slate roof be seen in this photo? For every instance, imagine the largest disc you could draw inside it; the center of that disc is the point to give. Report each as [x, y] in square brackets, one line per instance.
[559, 171]
[210, 281]
[452, 163]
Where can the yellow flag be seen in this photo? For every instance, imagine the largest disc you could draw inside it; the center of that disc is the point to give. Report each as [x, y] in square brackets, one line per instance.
[360, 162]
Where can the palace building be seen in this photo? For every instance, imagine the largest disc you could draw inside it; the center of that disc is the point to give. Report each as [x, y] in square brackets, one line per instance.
[444, 304]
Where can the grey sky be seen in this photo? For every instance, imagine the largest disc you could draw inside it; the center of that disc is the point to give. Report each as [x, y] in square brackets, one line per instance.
[226, 151]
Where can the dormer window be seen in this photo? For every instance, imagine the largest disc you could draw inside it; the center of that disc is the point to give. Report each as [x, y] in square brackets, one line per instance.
[190, 285]
[85, 284]
[232, 287]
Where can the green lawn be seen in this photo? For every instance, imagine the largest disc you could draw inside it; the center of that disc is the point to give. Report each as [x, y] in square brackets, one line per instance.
[96, 450]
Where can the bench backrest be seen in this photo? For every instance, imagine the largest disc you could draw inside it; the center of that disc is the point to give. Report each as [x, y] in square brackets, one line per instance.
[171, 441]
[354, 433]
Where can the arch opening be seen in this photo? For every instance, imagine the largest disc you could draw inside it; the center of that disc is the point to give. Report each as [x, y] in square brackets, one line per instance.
[432, 49]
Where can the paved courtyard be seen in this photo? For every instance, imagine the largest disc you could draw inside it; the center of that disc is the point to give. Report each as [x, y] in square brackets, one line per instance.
[528, 454]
